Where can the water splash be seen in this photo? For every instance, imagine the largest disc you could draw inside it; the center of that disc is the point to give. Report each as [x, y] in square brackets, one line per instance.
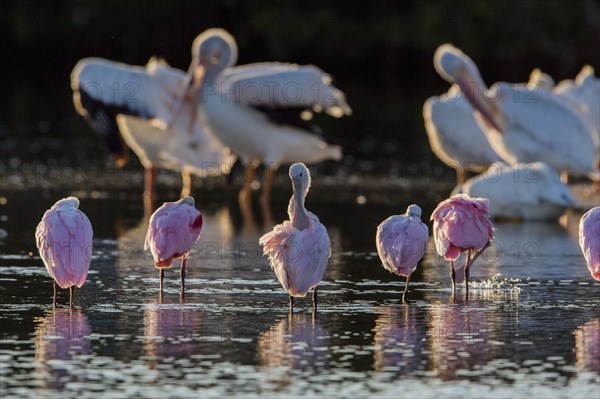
[498, 283]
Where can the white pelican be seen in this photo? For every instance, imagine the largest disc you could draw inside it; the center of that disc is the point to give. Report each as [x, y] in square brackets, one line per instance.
[125, 103]
[260, 110]
[541, 80]
[523, 191]
[585, 92]
[454, 135]
[522, 124]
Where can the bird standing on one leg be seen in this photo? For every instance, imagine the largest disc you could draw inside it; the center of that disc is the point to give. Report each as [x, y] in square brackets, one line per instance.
[589, 240]
[64, 239]
[299, 248]
[401, 242]
[174, 229]
[462, 223]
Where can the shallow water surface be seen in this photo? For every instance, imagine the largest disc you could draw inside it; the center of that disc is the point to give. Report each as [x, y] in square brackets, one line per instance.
[530, 327]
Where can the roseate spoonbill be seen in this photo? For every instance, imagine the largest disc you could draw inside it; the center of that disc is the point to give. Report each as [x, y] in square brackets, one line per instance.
[260, 110]
[589, 240]
[454, 135]
[522, 124]
[64, 239]
[172, 232]
[126, 105]
[401, 242]
[299, 248]
[461, 223]
[531, 191]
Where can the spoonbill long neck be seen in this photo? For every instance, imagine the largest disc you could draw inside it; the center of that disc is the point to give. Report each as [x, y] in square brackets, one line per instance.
[300, 217]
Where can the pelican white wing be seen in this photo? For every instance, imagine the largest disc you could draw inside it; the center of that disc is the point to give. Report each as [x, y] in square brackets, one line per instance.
[277, 85]
[537, 125]
[454, 135]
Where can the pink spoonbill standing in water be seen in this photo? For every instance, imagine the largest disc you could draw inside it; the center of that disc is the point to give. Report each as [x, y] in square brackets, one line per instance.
[173, 231]
[299, 248]
[401, 242]
[64, 239]
[460, 224]
[589, 240]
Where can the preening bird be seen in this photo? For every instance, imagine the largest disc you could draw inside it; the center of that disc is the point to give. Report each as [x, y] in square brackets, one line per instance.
[522, 124]
[260, 110]
[173, 230]
[64, 240]
[401, 243]
[460, 224]
[126, 105]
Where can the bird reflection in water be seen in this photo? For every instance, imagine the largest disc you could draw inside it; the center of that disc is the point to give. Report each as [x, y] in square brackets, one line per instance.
[61, 338]
[299, 341]
[398, 339]
[460, 338]
[587, 345]
[170, 331]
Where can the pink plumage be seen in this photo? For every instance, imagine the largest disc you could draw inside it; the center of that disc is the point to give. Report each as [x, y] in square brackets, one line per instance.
[173, 231]
[299, 248]
[298, 257]
[589, 240]
[64, 240]
[461, 223]
[401, 241]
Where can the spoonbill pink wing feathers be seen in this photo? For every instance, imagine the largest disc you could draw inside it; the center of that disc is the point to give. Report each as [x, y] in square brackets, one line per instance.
[298, 249]
[64, 240]
[589, 240]
[173, 230]
[461, 223]
[401, 242]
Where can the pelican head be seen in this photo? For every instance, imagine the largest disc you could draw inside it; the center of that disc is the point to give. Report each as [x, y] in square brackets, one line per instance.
[455, 66]
[300, 178]
[212, 51]
[215, 49]
[414, 210]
